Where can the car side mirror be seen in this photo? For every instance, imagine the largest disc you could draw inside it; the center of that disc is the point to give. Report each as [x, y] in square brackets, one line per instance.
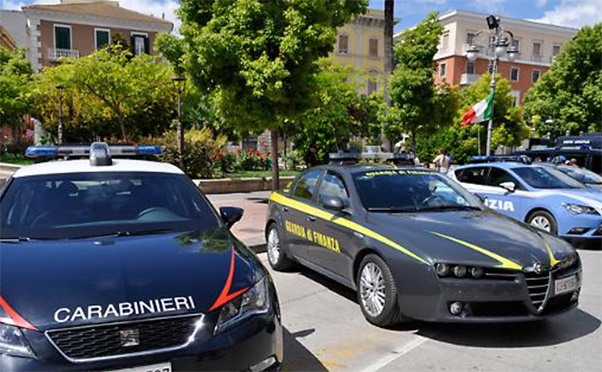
[510, 186]
[333, 203]
[231, 215]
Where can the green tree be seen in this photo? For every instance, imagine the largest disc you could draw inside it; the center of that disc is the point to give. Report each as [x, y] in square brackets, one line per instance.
[108, 94]
[15, 78]
[418, 106]
[339, 111]
[257, 57]
[571, 91]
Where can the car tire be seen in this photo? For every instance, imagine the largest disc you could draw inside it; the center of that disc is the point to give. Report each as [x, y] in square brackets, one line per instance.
[374, 275]
[543, 220]
[276, 254]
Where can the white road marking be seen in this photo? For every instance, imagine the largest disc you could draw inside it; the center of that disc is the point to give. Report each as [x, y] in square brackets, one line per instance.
[395, 354]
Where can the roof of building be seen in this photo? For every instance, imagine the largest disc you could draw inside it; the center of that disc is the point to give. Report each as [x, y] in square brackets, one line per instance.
[106, 9]
[6, 40]
[83, 166]
[524, 23]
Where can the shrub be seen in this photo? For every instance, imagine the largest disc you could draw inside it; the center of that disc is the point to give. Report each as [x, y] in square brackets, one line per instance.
[201, 151]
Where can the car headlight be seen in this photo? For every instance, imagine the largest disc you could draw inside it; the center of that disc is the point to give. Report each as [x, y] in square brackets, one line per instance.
[459, 271]
[568, 261]
[12, 342]
[254, 301]
[579, 209]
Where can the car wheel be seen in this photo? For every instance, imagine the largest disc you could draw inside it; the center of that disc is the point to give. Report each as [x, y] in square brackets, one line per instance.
[276, 255]
[377, 292]
[544, 221]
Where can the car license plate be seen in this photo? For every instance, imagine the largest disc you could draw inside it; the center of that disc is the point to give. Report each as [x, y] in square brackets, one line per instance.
[163, 367]
[565, 285]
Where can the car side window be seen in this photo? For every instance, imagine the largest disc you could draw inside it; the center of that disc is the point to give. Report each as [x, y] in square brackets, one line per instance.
[333, 186]
[498, 176]
[476, 175]
[306, 185]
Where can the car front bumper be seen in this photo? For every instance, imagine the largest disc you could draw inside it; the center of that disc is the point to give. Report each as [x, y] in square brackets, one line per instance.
[254, 345]
[494, 299]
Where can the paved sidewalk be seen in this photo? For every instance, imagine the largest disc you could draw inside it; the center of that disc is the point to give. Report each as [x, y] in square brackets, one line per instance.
[250, 229]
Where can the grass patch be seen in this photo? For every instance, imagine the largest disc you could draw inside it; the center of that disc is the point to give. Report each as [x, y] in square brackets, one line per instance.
[15, 159]
[260, 174]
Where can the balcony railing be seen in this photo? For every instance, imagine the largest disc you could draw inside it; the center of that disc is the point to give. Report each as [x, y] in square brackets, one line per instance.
[55, 53]
[536, 58]
[467, 79]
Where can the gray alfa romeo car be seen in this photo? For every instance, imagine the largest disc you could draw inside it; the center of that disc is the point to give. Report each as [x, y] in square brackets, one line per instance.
[414, 244]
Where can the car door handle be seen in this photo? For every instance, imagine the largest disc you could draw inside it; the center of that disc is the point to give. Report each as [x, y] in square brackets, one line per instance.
[285, 209]
[311, 218]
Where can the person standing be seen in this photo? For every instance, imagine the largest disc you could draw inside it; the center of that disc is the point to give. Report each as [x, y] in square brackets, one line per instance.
[310, 156]
[442, 161]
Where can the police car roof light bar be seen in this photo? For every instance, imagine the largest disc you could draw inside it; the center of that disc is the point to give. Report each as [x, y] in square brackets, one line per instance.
[100, 154]
[401, 159]
[80, 151]
[343, 158]
[501, 158]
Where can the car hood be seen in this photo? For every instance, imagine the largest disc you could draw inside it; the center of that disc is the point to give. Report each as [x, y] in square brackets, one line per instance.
[483, 238]
[73, 282]
[586, 196]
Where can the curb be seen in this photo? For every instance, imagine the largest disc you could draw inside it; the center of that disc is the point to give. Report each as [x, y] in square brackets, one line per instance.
[9, 166]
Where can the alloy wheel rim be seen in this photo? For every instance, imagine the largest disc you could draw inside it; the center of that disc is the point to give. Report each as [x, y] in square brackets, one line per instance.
[372, 289]
[273, 247]
[541, 223]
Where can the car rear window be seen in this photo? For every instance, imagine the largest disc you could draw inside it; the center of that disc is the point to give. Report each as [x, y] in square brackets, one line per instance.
[76, 205]
[544, 178]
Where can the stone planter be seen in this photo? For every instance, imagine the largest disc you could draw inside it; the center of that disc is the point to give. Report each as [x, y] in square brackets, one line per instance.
[230, 185]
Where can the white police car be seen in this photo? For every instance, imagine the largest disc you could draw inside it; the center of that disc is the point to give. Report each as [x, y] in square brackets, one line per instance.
[540, 196]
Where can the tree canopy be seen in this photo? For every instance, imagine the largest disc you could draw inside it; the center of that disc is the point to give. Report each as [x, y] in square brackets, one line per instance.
[570, 93]
[15, 78]
[418, 106]
[107, 93]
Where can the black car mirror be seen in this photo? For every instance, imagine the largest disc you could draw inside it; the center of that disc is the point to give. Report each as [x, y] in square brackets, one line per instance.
[510, 186]
[333, 203]
[231, 215]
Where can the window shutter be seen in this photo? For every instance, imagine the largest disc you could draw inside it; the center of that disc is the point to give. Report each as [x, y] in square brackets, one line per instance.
[133, 44]
[146, 45]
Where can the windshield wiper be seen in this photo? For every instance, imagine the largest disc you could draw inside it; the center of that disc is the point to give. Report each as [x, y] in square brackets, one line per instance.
[392, 210]
[451, 208]
[125, 233]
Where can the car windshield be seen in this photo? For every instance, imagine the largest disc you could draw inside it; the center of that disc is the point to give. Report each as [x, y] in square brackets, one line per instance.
[582, 175]
[79, 205]
[547, 178]
[398, 190]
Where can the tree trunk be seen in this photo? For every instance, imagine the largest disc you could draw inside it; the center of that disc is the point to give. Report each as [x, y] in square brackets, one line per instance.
[275, 169]
[388, 63]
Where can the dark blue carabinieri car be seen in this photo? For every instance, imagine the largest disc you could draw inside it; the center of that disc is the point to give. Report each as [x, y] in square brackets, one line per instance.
[113, 264]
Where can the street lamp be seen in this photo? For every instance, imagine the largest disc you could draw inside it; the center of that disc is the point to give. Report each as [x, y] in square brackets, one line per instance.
[501, 42]
[60, 89]
[180, 83]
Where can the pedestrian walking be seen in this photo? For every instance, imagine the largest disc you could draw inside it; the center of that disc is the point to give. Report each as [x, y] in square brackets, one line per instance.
[442, 161]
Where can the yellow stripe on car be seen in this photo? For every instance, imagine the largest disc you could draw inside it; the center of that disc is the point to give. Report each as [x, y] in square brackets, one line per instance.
[504, 262]
[291, 203]
[553, 260]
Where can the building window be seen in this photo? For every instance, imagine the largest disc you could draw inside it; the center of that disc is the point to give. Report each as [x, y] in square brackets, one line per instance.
[343, 44]
[445, 42]
[536, 49]
[470, 37]
[372, 84]
[535, 74]
[516, 44]
[516, 95]
[102, 37]
[373, 47]
[140, 44]
[470, 68]
[62, 37]
[514, 73]
[556, 50]
[442, 69]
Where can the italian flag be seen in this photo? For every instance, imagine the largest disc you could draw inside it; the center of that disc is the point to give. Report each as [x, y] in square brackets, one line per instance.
[482, 111]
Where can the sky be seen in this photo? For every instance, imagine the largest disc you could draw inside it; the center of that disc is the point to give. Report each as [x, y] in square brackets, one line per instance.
[571, 13]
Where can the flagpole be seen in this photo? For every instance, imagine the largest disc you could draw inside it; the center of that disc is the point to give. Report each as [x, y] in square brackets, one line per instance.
[479, 137]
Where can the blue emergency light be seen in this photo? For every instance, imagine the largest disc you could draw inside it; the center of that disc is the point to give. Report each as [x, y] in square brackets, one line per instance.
[94, 150]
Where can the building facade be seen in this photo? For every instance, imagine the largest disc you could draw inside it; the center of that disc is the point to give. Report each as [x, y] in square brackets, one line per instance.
[537, 44]
[75, 28]
[360, 44]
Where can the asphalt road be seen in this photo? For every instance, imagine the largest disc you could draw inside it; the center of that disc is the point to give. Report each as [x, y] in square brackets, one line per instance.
[325, 331]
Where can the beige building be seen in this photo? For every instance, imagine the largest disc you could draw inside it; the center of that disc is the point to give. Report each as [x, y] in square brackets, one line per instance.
[537, 43]
[360, 44]
[76, 28]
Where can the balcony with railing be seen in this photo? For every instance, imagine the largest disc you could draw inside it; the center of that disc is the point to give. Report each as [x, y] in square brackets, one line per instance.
[467, 79]
[56, 53]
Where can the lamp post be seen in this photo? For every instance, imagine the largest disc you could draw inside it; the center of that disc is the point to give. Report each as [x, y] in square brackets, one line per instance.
[501, 42]
[180, 83]
[60, 89]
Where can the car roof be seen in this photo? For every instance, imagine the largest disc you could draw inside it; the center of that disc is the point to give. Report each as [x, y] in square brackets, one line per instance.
[499, 164]
[83, 166]
[362, 167]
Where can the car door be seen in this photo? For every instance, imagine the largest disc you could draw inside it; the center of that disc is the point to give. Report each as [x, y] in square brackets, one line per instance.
[328, 242]
[296, 221]
[510, 203]
[474, 179]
